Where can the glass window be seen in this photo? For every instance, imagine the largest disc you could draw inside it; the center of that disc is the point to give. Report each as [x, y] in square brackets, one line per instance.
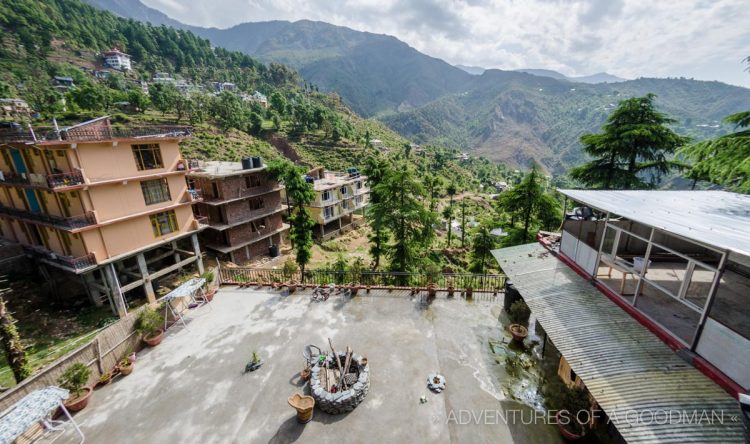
[163, 223]
[147, 156]
[343, 190]
[326, 195]
[155, 191]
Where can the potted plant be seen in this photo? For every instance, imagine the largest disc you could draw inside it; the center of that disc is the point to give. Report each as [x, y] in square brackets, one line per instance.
[519, 314]
[74, 379]
[469, 292]
[125, 366]
[574, 419]
[432, 290]
[450, 290]
[149, 324]
[105, 378]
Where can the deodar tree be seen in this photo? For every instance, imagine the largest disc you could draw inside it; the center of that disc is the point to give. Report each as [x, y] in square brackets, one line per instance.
[634, 149]
[11, 340]
[724, 160]
[529, 203]
[301, 223]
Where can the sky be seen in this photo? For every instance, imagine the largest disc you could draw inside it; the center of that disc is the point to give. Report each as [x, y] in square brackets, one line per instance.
[705, 40]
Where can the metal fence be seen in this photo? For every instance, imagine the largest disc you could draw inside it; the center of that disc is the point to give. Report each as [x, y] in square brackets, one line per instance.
[477, 282]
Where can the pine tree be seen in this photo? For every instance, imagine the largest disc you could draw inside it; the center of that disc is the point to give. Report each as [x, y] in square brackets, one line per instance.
[451, 190]
[529, 203]
[634, 149]
[482, 245]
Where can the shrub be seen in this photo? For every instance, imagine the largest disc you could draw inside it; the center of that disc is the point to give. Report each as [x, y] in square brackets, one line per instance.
[148, 320]
[75, 378]
[519, 312]
[208, 276]
[290, 268]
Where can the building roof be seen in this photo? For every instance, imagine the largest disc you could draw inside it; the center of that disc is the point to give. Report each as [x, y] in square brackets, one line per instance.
[627, 369]
[217, 169]
[716, 218]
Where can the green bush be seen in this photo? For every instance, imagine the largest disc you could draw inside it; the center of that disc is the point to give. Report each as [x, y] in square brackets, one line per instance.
[519, 312]
[75, 378]
[148, 320]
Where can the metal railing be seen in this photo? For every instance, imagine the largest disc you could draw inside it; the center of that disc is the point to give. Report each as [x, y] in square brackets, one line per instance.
[92, 134]
[65, 179]
[443, 281]
[68, 223]
[248, 192]
[75, 263]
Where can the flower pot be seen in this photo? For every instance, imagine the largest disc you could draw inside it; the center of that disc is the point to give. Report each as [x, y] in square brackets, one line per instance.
[304, 406]
[469, 292]
[77, 403]
[132, 357]
[518, 331]
[368, 288]
[105, 381]
[125, 370]
[210, 295]
[305, 374]
[432, 290]
[450, 291]
[354, 290]
[154, 338]
[565, 430]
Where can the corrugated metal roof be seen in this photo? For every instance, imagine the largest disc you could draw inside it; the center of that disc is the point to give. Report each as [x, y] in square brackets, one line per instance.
[717, 218]
[625, 367]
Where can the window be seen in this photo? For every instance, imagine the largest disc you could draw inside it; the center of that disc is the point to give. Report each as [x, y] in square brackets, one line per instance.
[326, 195]
[252, 181]
[343, 190]
[148, 156]
[359, 184]
[155, 191]
[328, 213]
[163, 223]
[256, 204]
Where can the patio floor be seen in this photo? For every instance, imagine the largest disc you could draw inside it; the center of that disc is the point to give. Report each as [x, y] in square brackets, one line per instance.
[192, 388]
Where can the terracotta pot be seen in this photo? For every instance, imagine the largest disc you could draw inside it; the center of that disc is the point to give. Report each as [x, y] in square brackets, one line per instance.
[125, 370]
[305, 374]
[210, 295]
[132, 357]
[304, 406]
[154, 338]
[518, 331]
[566, 433]
[103, 382]
[432, 290]
[78, 403]
[469, 292]
[368, 288]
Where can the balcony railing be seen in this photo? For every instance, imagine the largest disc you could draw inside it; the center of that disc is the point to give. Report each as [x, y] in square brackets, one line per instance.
[50, 181]
[66, 223]
[248, 192]
[92, 134]
[75, 263]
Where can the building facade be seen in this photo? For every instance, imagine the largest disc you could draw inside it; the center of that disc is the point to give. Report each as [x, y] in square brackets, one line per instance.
[117, 59]
[340, 201]
[242, 207]
[109, 205]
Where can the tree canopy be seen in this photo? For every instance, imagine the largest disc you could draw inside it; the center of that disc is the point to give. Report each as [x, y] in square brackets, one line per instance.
[634, 149]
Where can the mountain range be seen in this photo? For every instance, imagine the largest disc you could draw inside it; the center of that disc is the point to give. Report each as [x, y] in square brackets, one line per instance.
[510, 116]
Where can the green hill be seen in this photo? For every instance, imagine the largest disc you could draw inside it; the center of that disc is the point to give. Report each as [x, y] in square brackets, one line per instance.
[515, 117]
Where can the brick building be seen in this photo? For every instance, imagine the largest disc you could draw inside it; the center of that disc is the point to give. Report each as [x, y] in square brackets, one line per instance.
[242, 206]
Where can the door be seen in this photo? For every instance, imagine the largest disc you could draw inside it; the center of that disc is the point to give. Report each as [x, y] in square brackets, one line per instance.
[33, 201]
[18, 161]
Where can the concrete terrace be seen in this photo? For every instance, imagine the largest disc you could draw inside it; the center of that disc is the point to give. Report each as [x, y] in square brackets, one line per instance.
[191, 388]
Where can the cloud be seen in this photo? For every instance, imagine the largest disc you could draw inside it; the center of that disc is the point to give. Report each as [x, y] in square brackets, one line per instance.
[630, 38]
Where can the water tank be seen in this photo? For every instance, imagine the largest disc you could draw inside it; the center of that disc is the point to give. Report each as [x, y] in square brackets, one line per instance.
[309, 179]
[273, 250]
[247, 163]
[257, 162]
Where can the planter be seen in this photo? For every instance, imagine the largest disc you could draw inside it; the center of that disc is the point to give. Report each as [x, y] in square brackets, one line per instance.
[368, 288]
[105, 380]
[78, 403]
[305, 374]
[304, 406]
[432, 290]
[132, 357]
[567, 433]
[451, 291]
[125, 370]
[210, 295]
[469, 292]
[154, 338]
[519, 332]
[354, 289]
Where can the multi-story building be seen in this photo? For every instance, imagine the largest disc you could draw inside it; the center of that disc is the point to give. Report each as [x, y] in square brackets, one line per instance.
[108, 204]
[242, 207]
[117, 59]
[338, 196]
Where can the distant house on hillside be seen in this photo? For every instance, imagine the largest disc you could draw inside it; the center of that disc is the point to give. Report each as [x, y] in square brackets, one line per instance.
[63, 83]
[377, 143]
[14, 108]
[163, 77]
[117, 59]
[259, 98]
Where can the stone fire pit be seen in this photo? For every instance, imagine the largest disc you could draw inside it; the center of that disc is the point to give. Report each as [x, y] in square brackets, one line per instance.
[336, 402]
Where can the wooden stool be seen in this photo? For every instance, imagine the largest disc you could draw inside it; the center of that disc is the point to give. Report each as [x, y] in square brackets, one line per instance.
[304, 406]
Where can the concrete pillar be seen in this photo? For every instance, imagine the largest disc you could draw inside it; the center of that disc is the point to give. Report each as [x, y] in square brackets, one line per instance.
[177, 258]
[94, 294]
[197, 250]
[148, 287]
[117, 296]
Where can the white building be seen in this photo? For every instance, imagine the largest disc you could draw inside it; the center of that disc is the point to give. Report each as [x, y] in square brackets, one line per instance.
[117, 59]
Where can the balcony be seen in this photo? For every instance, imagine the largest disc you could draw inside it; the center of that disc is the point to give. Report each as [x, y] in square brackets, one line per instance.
[74, 263]
[51, 181]
[91, 134]
[65, 223]
[246, 217]
[242, 194]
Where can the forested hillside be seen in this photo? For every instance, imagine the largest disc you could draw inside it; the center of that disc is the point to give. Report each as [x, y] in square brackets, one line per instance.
[515, 117]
